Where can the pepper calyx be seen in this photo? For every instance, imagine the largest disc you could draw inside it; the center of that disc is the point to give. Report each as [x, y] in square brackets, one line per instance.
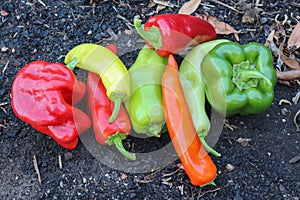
[153, 35]
[116, 140]
[245, 75]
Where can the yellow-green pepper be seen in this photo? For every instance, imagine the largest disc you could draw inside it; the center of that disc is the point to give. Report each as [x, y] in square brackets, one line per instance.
[108, 66]
[145, 103]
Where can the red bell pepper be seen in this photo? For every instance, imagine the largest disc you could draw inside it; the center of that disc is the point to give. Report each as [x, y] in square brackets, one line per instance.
[171, 33]
[195, 160]
[44, 95]
[100, 108]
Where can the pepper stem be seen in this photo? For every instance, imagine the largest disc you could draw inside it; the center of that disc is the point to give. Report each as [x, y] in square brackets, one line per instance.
[117, 105]
[208, 149]
[153, 35]
[245, 75]
[116, 140]
[71, 65]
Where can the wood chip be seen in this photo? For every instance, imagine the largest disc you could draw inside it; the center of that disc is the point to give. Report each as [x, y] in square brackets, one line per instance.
[295, 159]
[243, 141]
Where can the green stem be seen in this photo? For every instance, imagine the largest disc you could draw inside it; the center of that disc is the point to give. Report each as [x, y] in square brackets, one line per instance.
[71, 65]
[153, 35]
[116, 140]
[208, 148]
[117, 105]
[246, 75]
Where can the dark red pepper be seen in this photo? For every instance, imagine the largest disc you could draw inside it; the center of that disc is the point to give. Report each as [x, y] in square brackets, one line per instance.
[171, 33]
[100, 109]
[43, 95]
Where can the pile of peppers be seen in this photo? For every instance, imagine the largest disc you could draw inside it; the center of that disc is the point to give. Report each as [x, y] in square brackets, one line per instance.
[154, 95]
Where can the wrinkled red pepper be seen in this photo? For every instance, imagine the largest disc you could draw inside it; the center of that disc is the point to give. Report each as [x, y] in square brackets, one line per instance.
[100, 109]
[44, 95]
[171, 33]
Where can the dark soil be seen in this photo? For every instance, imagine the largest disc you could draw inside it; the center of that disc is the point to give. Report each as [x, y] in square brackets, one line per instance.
[34, 31]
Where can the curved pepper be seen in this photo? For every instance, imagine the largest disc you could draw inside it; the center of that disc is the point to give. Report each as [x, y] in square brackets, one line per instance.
[145, 103]
[239, 79]
[195, 160]
[194, 89]
[108, 66]
[100, 109]
[43, 95]
[171, 33]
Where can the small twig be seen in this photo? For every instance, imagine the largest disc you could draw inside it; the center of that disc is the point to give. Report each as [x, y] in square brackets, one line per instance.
[3, 104]
[230, 7]
[5, 67]
[41, 2]
[295, 120]
[208, 191]
[165, 3]
[60, 162]
[172, 173]
[126, 20]
[37, 169]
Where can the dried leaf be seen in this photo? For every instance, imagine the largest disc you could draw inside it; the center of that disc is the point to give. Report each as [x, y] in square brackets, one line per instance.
[294, 39]
[292, 63]
[222, 28]
[189, 7]
[288, 75]
[280, 34]
[159, 8]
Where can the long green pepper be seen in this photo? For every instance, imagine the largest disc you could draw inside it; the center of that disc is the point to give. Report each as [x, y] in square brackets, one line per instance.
[194, 89]
[145, 102]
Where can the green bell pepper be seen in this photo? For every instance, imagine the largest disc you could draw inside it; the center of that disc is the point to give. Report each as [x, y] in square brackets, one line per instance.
[194, 89]
[145, 102]
[240, 79]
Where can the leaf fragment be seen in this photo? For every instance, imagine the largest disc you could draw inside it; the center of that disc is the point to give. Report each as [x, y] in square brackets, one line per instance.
[221, 28]
[294, 40]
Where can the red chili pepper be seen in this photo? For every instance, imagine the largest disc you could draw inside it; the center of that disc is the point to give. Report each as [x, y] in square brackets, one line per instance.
[100, 109]
[195, 160]
[43, 95]
[171, 33]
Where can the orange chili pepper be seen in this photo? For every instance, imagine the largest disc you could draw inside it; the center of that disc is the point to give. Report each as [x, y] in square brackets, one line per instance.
[195, 160]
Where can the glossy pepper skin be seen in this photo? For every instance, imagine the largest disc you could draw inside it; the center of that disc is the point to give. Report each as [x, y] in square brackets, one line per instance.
[239, 79]
[171, 33]
[100, 109]
[102, 61]
[145, 103]
[195, 160]
[194, 88]
[44, 95]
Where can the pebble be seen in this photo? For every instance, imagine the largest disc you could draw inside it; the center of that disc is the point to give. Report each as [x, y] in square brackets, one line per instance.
[4, 49]
[229, 167]
[68, 156]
